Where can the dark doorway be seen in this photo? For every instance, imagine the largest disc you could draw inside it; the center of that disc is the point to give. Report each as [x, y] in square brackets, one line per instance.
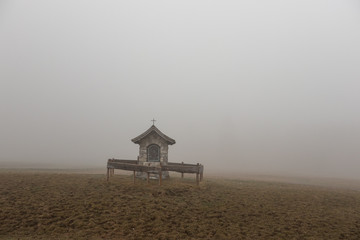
[153, 153]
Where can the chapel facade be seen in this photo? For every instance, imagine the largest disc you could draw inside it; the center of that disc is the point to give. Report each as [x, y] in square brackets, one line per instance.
[153, 150]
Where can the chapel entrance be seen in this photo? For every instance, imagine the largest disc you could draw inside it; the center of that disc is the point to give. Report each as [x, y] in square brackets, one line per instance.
[153, 153]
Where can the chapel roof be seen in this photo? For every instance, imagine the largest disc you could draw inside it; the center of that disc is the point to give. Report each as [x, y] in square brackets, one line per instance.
[156, 130]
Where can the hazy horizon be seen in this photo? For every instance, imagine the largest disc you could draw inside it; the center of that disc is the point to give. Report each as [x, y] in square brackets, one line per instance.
[247, 86]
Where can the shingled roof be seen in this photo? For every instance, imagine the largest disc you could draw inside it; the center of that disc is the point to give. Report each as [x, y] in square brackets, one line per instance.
[169, 140]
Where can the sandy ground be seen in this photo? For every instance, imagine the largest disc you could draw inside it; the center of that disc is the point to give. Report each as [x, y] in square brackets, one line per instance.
[352, 184]
[74, 204]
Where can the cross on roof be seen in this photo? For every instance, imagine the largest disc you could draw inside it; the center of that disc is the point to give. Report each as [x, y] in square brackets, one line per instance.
[153, 121]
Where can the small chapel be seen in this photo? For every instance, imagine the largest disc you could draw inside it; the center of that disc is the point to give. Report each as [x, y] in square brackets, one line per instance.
[152, 161]
[153, 150]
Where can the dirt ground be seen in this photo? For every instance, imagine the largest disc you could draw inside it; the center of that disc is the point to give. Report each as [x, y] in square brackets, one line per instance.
[55, 205]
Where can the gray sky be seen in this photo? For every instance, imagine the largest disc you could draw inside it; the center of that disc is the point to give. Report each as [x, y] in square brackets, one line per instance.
[258, 86]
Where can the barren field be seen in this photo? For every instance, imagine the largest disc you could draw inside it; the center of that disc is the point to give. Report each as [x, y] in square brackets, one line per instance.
[48, 205]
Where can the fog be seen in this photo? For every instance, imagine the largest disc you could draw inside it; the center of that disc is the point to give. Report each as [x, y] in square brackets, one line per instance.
[242, 86]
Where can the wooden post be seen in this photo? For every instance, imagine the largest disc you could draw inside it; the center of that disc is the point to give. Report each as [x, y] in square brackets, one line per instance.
[160, 177]
[182, 174]
[107, 174]
[134, 177]
[201, 176]
[148, 177]
[197, 174]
